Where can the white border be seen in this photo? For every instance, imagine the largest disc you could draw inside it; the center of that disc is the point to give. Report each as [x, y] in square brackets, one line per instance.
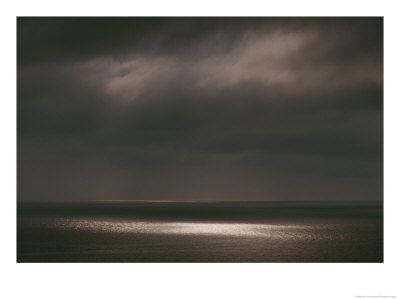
[197, 281]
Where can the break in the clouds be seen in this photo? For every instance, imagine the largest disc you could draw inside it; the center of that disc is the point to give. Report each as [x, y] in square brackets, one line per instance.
[200, 109]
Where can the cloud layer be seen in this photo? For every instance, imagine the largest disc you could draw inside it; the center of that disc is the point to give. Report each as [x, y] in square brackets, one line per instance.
[206, 109]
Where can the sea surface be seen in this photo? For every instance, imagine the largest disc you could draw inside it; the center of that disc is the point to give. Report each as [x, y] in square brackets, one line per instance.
[192, 232]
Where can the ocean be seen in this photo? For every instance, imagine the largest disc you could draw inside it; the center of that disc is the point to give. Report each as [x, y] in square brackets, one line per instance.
[141, 231]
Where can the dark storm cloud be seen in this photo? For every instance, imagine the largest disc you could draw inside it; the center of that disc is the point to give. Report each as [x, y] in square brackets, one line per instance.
[43, 39]
[200, 109]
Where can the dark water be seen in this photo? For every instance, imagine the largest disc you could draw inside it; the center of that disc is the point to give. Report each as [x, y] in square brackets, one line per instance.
[171, 232]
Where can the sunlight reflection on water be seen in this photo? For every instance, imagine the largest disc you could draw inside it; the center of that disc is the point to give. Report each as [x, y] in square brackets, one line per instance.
[183, 228]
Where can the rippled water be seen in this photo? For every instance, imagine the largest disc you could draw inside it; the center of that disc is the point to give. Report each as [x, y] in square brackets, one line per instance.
[72, 237]
[186, 228]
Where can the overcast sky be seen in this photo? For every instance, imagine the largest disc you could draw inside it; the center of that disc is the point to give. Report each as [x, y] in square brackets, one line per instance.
[200, 109]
